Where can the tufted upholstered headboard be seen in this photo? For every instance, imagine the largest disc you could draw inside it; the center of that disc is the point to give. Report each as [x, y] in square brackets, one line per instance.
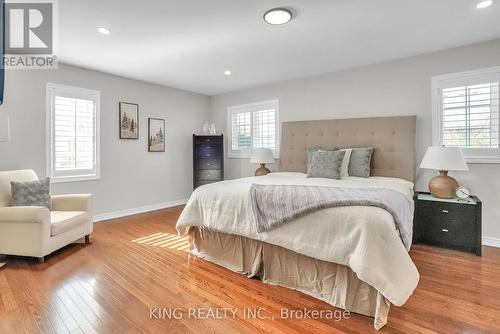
[393, 140]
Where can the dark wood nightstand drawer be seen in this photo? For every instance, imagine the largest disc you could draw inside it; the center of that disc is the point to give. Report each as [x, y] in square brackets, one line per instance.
[447, 232]
[202, 183]
[448, 223]
[208, 175]
[208, 164]
[206, 151]
[440, 212]
[208, 139]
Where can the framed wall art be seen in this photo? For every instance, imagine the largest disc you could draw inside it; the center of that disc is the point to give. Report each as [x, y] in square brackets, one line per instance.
[156, 135]
[129, 120]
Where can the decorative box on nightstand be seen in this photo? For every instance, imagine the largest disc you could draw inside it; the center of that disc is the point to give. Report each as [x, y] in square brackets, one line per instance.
[451, 223]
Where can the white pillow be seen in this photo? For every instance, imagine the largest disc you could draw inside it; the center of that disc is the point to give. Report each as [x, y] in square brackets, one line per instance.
[344, 168]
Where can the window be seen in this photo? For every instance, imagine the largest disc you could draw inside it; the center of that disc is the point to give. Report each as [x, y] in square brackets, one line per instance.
[72, 133]
[466, 113]
[253, 125]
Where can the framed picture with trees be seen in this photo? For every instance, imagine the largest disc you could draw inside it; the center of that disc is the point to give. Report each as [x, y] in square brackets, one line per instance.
[156, 135]
[129, 120]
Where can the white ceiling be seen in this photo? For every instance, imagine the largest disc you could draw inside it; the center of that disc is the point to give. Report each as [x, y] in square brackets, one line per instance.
[188, 44]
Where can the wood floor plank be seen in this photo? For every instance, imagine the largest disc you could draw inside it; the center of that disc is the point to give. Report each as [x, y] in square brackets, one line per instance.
[138, 263]
[7, 301]
[29, 315]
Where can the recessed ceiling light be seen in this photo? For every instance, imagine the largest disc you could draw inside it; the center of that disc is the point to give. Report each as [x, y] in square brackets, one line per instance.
[227, 72]
[484, 4]
[278, 16]
[104, 31]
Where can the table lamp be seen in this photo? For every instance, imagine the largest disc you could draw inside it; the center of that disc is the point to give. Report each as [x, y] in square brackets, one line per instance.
[443, 159]
[262, 156]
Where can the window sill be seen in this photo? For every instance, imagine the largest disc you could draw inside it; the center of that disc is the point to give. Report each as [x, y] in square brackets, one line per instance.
[482, 160]
[60, 179]
[245, 156]
[239, 156]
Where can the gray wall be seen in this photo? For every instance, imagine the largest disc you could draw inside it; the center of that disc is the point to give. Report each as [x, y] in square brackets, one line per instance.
[400, 87]
[130, 176]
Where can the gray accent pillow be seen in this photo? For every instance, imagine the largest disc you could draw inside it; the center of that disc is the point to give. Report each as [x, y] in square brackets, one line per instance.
[325, 164]
[360, 163]
[311, 150]
[33, 193]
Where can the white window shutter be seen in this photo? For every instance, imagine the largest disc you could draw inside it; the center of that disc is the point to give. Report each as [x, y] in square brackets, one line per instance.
[264, 128]
[470, 116]
[241, 131]
[73, 133]
[254, 125]
[465, 109]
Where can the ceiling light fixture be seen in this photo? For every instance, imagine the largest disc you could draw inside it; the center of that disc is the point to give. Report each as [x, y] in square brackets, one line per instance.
[277, 16]
[484, 4]
[104, 31]
[227, 72]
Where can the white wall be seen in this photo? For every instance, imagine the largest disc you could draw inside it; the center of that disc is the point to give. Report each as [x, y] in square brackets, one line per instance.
[400, 87]
[131, 177]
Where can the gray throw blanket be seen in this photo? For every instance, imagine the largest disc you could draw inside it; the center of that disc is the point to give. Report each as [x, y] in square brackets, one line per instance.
[274, 205]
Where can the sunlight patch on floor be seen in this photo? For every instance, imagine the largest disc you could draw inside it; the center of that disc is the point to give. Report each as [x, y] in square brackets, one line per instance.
[163, 239]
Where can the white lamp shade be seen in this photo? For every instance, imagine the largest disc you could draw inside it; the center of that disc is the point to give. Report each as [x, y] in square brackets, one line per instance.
[262, 156]
[444, 158]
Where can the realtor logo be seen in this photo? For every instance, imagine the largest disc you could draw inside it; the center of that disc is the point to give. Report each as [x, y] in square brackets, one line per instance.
[30, 34]
[29, 28]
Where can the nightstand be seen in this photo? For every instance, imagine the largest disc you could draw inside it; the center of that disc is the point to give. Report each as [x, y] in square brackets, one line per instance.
[451, 223]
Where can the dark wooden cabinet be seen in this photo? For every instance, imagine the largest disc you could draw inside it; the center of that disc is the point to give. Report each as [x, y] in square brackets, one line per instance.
[208, 159]
[450, 223]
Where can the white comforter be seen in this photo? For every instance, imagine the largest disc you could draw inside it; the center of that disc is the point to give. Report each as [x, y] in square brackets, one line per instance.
[363, 238]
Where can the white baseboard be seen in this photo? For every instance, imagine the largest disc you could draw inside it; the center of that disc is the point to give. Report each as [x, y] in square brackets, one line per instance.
[492, 242]
[142, 209]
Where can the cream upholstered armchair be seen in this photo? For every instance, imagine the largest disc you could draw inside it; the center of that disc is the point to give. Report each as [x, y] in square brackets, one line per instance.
[35, 231]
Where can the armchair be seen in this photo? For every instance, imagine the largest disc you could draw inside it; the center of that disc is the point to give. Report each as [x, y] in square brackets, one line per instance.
[36, 231]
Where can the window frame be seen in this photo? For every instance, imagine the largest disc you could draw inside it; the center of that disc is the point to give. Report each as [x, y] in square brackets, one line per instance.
[72, 92]
[438, 83]
[246, 154]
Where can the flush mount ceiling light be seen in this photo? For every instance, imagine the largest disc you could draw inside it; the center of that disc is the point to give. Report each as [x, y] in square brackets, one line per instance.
[277, 16]
[104, 31]
[227, 72]
[484, 4]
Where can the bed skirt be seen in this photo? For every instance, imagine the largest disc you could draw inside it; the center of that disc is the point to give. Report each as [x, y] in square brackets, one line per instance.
[333, 283]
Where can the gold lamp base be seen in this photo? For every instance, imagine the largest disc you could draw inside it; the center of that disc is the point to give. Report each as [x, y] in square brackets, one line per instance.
[443, 186]
[262, 170]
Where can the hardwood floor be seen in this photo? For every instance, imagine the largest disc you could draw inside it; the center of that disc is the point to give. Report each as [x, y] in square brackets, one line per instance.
[137, 263]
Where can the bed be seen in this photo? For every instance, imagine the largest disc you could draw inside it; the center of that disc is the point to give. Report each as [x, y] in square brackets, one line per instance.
[351, 257]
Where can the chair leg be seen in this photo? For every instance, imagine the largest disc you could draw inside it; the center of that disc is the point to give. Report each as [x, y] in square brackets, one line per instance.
[41, 259]
[87, 239]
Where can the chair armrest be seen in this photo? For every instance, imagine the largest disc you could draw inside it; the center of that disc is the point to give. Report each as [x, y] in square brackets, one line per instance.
[75, 202]
[24, 214]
